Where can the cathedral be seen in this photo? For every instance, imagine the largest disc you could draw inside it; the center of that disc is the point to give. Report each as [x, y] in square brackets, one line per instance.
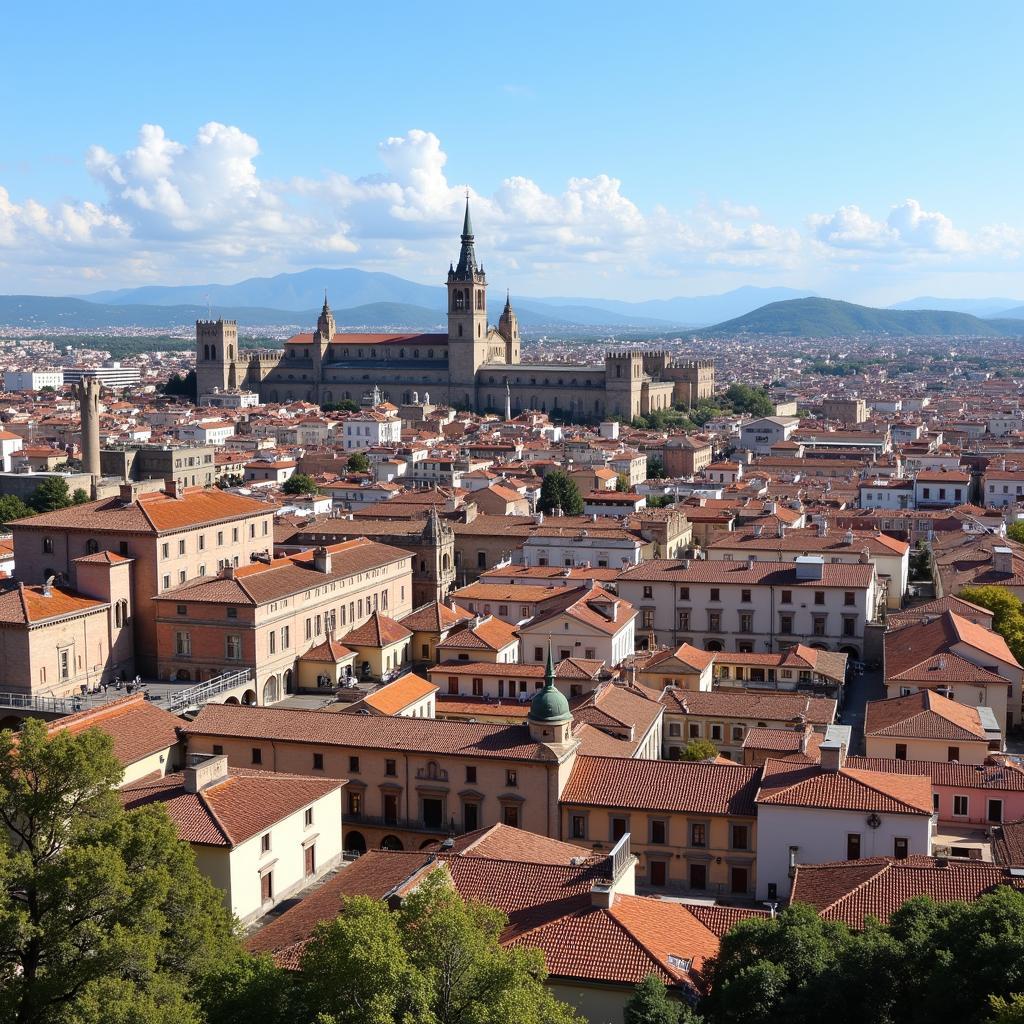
[474, 365]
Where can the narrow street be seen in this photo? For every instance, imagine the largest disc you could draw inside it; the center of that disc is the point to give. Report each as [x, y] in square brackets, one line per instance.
[859, 690]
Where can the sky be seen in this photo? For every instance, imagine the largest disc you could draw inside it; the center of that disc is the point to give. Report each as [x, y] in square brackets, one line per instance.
[866, 151]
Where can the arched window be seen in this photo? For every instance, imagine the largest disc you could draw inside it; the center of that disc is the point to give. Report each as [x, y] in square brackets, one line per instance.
[460, 330]
[48, 546]
[213, 351]
[478, 330]
[91, 547]
[206, 351]
[231, 351]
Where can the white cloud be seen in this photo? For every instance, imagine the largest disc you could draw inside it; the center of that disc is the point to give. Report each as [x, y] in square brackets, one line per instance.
[176, 211]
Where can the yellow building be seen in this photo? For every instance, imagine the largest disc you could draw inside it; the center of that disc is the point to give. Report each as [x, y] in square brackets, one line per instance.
[693, 824]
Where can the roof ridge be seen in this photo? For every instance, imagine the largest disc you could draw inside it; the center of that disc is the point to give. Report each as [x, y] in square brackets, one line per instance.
[874, 789]
[882, 869]
[204, 800]
[610, 912]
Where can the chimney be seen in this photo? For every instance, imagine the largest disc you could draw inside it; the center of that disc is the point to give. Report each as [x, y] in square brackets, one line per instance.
[833, 754]
[1002, 561]
[126, 492]
[602, 895]
[848, 537]
[204, 770]
[228, 572]
[782, 529]
[174, 489]
[321, 559]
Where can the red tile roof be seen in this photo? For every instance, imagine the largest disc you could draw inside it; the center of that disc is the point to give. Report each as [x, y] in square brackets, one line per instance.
[923, 715]
[397, 696]
[378, 631]
[21, 605]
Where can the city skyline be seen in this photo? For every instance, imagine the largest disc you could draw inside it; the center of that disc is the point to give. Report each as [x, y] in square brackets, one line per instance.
[213, 153]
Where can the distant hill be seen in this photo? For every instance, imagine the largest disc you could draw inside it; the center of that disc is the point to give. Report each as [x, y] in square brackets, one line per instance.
[349, 287]
[976, 307]
[825, 318]
[1014, 313]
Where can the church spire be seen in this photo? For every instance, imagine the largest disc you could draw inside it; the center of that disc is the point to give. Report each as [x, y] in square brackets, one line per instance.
[467, 224]
[467, 269]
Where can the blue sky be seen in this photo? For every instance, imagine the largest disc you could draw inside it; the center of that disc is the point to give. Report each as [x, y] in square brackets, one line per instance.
[864, 150]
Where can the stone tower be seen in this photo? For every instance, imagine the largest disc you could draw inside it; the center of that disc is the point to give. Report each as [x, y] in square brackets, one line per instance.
[623, 382]
[508, 328]
[325, 331]
[216, 353]
[87, 391]
[467, 320]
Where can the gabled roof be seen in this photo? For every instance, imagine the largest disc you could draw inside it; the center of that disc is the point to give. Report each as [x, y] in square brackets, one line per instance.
[231, 811]
[137, 727]
[848, 789]
[763, 705]
[395, 697]
[435, 618]
[852, 891]
[377, 631]
[910, 646]
[490, 634]
[923, 715]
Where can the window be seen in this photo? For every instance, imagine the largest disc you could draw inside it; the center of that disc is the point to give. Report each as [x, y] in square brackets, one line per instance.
[183, 644]
[901, 752]
[309, 858]
[166, 582]
[65, 664]
[202, 542]
[647, 618]
[285, 641]
[471, 773]
[659, 831]
[233, 647]
[265, 843]
[318, 762]
[716, 732]
[694, 730]
[619, 828]
[715, 594]
[684, 620]
[257, 755]
[181, 547]
[267, 886]
[698, 835]
[786, 597]
[786, 624]
[122, 546]
[737, 734]
[165, 550]
[511, 778]
[745, 596]
[849, 626]
[746, 622]
[353, 764]
[510, 815]
[714, 622]
[740, 837]
[272, 642]
[648, 592]
[995, 811]
[820, 622]
[220, 537]
[355, 803]
[673, 729]
[478, 687]
[182, 609]
[853, 846]
[684, 593]
[232, 613]
[900, 848]
[849, 598]
[307, 818]
[819, 597]
[953, 754]
[579, 826]
[390, 767]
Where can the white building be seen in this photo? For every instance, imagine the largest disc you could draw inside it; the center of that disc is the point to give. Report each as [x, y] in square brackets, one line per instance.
[112, 375]
[259, 837]
[551, 544]
[210, 432]
[9, 445]
[230, 399]
[33, 380]
[368, 429]
[759, 435]
[816, 814]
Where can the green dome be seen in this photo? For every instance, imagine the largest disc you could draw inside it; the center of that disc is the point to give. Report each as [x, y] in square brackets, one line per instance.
[548, 705]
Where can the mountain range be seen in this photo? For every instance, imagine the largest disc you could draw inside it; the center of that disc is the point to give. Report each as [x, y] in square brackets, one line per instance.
[379, 301]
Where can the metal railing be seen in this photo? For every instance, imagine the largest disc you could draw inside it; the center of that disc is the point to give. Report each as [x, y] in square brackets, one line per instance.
[620, 858]
[48, 705]
[196, 695]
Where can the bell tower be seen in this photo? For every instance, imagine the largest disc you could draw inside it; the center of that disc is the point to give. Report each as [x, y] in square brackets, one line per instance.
[508, 328]
[467, 319]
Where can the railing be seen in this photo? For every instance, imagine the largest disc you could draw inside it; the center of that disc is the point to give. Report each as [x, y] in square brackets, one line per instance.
[48, 705]
[196, 695]
[620, 858]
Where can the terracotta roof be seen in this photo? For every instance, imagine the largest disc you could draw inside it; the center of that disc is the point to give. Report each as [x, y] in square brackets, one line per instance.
[852, 891]
[397, 696]
[330, 652]
[229, 812]
[23, 605]
[154, 512]
[434, 618]
[721, 919]
[589, 606]
[751, 704]
[489, 635]
[137, 727]
[849, 789]
[809, 541]
[784, 741]
[101, 558]
[502, 842]
[909, 647]
[1008, 844]
[923, 715]
[375, 339]
[779, 574]
[1006, 777]
[683, 786]
[686, 654]
[377, 631]
[424, 735]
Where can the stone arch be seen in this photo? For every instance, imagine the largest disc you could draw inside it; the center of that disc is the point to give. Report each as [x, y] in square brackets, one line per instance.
[10, 722]
[271, 691]
[249, 698]
[427, 843]
[91, 546]
[850, 651]
[289, 681]
[391, 843]
[231, 700]
[713, 645]
[446, 562]
[355, 842]
[183, 675]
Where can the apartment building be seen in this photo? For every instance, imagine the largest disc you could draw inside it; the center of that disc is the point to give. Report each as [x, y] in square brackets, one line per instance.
[752, 606]
[266, 616]
[693, 826]
[170, 537]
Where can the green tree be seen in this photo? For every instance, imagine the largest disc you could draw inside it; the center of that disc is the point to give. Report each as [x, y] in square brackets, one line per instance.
[560, 491]
[358, 463]
[183, 387]
[621, 482]
[698, 750]
[51, 494]
[299, 483]
[655, 468]
[103, 914]
[1007, 614]
[1007, 1011]
[1015, 531]
[754, 401]
[437, 960]
[80, 496]
[12, 507]
[650, 1004]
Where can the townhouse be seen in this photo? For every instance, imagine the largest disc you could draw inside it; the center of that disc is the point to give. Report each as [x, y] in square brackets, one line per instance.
[754, 606]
